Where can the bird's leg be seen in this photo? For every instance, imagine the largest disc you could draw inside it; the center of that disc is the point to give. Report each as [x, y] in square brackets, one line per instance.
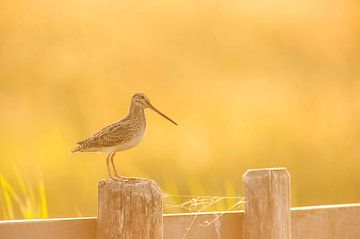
[107, 164]
[113, 165]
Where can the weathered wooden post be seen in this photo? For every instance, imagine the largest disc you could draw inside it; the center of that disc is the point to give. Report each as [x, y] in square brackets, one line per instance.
[267, 204]
[130, 209]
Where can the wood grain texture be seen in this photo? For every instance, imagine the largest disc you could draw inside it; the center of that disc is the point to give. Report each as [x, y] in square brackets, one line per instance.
[130, 209]
[318, 222]
[76, 228]
[330, 222]
[267, 204]
[203, 225]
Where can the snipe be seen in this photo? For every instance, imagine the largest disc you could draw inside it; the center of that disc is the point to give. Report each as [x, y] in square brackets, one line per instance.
[121, 135]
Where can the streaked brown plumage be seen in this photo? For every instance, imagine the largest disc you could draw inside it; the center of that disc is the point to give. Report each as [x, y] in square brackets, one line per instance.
[121, 135]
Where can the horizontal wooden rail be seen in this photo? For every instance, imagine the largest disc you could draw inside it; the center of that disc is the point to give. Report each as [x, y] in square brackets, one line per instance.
[334, 221]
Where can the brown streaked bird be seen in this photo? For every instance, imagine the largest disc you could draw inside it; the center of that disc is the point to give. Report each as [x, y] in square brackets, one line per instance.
[121, 135]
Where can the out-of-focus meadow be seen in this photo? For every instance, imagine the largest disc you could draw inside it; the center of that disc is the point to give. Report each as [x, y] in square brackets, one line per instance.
[251, 84]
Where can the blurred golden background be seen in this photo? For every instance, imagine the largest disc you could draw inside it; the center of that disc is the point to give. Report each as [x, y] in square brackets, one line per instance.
[251, 84]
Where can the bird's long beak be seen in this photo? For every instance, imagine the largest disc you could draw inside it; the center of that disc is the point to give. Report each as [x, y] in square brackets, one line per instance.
[157, 111]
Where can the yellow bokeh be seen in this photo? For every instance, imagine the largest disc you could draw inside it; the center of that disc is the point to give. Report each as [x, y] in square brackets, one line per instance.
[251, 83]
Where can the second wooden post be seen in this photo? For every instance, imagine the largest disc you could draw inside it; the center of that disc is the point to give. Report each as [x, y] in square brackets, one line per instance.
[129, 209]
[267, 204]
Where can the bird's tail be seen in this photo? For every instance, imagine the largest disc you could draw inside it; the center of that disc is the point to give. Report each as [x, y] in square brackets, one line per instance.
[76, 149]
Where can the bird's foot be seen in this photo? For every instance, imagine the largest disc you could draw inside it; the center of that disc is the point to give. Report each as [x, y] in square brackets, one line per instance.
[120, 178]
[131, 179]
[125, 179]
[111, 178]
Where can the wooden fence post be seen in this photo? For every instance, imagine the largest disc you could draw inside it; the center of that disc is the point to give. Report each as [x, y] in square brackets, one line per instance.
[267, 204]
[129, 209]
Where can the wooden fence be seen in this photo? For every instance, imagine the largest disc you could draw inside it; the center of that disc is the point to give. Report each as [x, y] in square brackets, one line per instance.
[267, 215]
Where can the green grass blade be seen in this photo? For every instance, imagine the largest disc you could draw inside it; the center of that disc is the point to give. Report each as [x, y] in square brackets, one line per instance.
[26, 203]
[7, 199]
[43, 201]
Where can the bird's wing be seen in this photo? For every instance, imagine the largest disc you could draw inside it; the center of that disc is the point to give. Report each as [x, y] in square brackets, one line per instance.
[108, 136]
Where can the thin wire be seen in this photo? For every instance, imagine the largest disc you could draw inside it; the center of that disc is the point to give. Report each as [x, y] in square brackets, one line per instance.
[165, 195]
[195, 203]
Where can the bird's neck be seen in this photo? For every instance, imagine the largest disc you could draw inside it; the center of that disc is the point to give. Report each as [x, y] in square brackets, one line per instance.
[136, 111]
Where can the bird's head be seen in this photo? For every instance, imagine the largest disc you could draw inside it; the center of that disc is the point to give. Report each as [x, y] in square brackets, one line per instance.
[140, 99]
